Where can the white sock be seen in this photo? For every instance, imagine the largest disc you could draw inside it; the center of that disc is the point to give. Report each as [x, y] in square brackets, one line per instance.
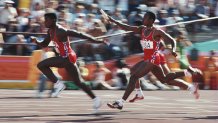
[121, 101]
[191, 88]
[96, 98]
[187, 73]
[139, 92]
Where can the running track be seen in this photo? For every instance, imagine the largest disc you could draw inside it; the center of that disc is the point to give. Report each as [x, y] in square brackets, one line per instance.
[20, 106]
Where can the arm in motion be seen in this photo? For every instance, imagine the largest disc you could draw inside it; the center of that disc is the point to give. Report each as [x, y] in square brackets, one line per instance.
[167, 37]
[135, 29]
[83, 36]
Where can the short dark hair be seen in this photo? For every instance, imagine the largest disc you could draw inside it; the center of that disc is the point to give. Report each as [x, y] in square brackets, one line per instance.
[151, 15]
[51, 16]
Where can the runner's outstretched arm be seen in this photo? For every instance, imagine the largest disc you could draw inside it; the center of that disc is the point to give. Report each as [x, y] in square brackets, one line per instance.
[75, 33]
[126, 27]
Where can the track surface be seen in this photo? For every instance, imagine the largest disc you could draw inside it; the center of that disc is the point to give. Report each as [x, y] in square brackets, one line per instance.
[20, 106]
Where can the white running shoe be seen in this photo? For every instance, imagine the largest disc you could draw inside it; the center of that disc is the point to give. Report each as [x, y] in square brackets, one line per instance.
[58, 86]
[196, 93]
[39, 95]
[97, 104]
[194, 90]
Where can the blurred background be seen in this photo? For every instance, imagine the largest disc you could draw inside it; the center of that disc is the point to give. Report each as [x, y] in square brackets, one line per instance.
[193, 24]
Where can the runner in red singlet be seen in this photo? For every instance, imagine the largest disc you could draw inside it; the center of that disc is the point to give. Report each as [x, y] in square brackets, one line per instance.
[151, 37]
[67, 59]
[161, 61]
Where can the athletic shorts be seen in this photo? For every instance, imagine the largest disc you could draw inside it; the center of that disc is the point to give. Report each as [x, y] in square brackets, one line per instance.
[162, 59]
[72, 57]
[156, 59]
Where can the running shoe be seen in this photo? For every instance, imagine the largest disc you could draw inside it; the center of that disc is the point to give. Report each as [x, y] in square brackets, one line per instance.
[97, 104]
[136, 98]
[58, 87]
[115, 104]
[39, 95]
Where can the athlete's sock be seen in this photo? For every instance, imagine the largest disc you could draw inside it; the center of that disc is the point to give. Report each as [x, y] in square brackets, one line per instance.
[121, 101]
[139, 92]
[191, 88]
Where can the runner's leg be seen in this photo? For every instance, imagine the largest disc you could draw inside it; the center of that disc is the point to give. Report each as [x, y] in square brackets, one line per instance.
[44, 67]
[138, 71]
[158, 72]
[176, 82]
[74, 72]
[139, 94]
[141, 69]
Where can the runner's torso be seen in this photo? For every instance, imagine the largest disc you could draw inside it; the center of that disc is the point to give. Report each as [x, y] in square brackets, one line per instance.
[63, 48]
[149, 45]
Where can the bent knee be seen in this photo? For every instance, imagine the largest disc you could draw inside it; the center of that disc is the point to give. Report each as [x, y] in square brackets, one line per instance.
[40, 65]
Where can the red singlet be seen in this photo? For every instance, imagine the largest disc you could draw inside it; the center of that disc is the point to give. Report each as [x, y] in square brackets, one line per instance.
[150, 47]
[64, 49]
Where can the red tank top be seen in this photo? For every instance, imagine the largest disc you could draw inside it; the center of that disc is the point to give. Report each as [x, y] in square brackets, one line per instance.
[63, 48]
[149, 46]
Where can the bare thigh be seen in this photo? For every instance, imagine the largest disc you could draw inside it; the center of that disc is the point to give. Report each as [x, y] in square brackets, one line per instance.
[61, 62]
[136, 66]
[74, 73]
[58, 62]
[141, 69]
[158, 72]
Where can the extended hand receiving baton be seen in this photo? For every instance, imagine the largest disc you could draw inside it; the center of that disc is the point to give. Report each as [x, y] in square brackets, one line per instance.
[105, 16]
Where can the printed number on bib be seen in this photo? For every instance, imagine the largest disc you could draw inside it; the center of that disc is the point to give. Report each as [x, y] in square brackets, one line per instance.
[147, 44]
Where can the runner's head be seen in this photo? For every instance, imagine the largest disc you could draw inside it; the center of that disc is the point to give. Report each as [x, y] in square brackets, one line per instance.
[50, 19]
[149, 18]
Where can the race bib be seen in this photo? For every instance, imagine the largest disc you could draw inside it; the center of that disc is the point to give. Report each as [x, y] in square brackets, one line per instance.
[146, 44]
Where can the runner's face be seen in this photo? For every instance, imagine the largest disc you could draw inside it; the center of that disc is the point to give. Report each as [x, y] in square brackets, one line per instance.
[49, 22]
[147, 20]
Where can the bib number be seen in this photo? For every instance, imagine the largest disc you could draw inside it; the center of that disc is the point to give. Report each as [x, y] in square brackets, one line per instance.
[146, 44]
